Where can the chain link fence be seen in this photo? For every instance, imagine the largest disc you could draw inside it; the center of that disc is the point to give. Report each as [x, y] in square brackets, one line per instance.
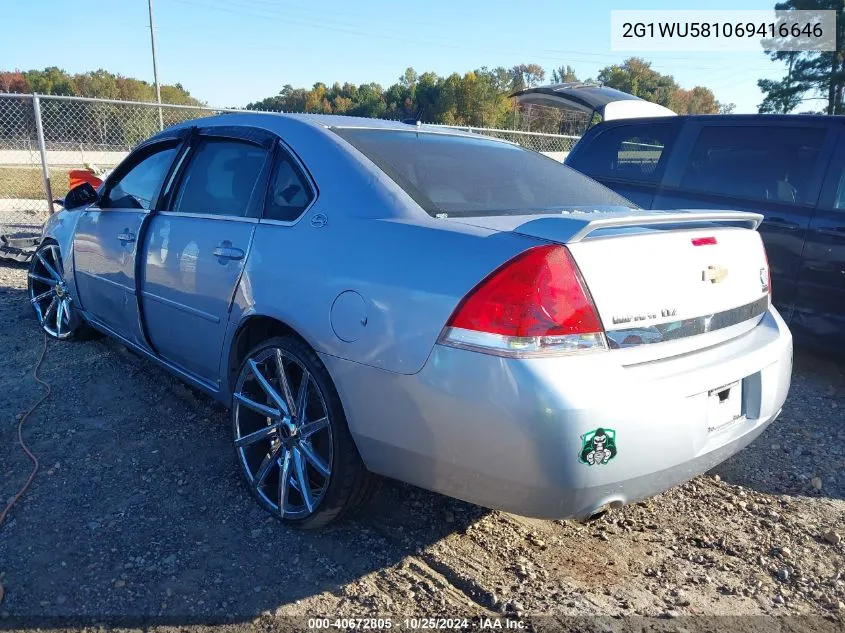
[23, 203]
[556, 146]
[45, 141]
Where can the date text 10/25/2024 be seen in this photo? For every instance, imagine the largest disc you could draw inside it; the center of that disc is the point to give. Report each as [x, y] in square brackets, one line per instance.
[418, 623]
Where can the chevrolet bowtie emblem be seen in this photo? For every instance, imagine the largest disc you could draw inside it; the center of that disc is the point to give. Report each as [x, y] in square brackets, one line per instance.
[714, 274]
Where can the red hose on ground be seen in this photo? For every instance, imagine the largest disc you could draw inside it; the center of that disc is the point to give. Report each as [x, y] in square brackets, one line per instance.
[23, 419]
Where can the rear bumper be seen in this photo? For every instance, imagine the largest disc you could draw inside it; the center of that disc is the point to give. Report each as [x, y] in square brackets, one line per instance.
[508, 433]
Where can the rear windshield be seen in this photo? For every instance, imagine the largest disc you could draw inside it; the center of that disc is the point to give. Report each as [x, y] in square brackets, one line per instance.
[466, 176]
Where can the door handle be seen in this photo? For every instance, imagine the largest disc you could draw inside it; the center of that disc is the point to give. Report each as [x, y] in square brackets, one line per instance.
[126, 237]
[781, 224]
[833, 231]
[227, 252]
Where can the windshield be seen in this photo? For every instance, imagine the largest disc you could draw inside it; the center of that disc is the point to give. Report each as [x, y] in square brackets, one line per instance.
[454, 175]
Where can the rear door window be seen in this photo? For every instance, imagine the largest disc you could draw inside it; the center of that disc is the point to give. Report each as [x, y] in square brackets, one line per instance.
[774, 163]
[289, 193]
[221, 178]
[635, 152]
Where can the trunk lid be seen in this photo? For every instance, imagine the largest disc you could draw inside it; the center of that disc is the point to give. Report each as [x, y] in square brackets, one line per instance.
[608, 103]
[656, 276]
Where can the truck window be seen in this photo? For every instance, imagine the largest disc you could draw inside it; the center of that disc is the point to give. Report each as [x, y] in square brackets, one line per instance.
[774, 163]
[628, 152]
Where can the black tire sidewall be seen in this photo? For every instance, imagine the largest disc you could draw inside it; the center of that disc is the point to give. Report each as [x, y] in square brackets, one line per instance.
[79, 329]
[346, 462]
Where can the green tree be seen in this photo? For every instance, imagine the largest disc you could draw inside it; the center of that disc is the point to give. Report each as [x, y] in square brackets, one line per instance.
[564, 74]
[527, 76]
[637, 77]
[50, 81]
[809, 72]
[429, 98]
[130, 89]
[97, 83]
[176, 94]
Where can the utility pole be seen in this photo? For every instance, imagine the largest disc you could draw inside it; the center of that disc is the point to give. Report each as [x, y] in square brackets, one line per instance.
[155, 67]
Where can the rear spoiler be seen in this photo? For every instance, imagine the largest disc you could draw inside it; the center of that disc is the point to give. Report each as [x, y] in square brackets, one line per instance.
[587, 226]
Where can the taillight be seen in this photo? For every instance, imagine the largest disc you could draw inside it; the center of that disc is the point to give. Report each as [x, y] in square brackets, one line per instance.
[768, 280]
[536, 303]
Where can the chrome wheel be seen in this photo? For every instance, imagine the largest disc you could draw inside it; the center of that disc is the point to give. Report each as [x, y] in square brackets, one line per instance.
[283, 435]
[48, 292]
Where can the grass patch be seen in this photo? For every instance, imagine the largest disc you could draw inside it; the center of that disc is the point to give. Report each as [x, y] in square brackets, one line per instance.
[26, 182]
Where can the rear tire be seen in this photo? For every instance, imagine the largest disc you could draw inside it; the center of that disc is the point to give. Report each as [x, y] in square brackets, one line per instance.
[291, 437]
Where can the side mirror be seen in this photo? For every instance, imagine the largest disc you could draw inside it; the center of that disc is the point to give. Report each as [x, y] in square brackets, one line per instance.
[80, 196]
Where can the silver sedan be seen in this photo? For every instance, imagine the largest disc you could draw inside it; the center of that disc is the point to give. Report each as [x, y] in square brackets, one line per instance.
[372, 298]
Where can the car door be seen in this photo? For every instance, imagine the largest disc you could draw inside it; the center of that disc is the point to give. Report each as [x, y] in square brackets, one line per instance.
[195, 248]
[628, 158]
[769, 166]
[106, 239]
[820, 291]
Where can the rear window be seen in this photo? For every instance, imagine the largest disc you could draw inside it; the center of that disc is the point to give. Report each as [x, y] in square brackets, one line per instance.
[627, 152]
[462, 175]
[764, 163]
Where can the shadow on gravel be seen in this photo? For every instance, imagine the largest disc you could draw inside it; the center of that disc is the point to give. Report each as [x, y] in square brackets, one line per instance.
[803, 451]
[139, 513]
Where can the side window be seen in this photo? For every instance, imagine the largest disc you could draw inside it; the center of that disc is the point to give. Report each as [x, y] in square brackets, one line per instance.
[774, 163]
[628, 152]
[289, 192]
[220, 178]
[138, 188]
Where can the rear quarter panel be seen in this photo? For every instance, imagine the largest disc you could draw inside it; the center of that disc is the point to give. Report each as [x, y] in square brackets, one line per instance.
[408, 277]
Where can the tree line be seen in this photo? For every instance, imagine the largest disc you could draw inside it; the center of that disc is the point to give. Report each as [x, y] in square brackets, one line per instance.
[97, 83]
[73, 124]
[481, 97]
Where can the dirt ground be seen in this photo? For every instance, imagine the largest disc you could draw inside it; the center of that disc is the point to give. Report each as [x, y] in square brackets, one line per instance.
[139, 514]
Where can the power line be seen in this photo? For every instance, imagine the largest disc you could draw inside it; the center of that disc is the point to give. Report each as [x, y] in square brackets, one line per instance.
[328, 25]
[275, 8]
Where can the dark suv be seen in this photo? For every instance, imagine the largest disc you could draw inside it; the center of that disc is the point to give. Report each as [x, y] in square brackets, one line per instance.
[790, 168]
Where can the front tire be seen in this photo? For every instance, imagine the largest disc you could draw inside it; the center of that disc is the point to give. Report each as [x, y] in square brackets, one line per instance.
[49, 296]
[291, 437]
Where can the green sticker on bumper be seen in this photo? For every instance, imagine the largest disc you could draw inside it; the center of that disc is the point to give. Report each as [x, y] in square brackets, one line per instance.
[598, 447]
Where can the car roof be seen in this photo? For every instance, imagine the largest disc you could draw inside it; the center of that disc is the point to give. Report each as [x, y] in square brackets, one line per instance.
[279, 122]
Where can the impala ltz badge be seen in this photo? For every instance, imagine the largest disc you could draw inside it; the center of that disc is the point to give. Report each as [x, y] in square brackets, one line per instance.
[764, 279]
[598, 447]
[714, 274]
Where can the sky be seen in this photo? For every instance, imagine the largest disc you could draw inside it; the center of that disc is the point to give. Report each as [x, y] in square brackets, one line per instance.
[232, 52]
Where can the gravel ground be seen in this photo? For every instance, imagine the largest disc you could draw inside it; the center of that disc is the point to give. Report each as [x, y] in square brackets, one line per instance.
[139, 511]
